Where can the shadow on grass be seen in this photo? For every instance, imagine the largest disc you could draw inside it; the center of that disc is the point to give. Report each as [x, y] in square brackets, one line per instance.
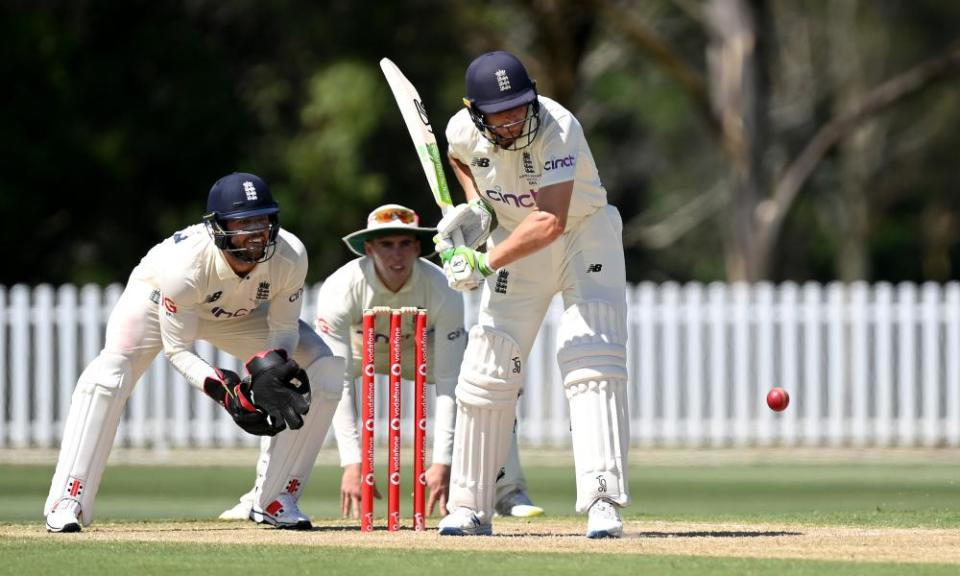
[685, 534]
[716, 534]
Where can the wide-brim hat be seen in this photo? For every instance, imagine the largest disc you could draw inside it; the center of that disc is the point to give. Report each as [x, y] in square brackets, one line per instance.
[391, 219]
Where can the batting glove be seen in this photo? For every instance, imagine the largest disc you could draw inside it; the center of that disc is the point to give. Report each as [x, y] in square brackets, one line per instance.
[474, 221]
[465, 268]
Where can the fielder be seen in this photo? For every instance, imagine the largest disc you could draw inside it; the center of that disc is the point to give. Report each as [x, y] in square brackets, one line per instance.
[236, 280]
[390, 272]
[524, 163]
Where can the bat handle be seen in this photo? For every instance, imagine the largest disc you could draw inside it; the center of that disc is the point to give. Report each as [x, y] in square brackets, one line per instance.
[457, 236]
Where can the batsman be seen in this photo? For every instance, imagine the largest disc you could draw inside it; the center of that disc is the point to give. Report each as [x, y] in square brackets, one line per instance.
[390, 271]
[236, 281]
[536, 201]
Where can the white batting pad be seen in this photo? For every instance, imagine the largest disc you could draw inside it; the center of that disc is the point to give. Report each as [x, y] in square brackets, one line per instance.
[95, 411]
[287, 459]
[490, 379]
[480, 448]
[591, 351]
[512, 478]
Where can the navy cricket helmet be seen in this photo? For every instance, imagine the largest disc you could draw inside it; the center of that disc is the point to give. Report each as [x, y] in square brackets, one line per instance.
[240, 196]
[495, 82]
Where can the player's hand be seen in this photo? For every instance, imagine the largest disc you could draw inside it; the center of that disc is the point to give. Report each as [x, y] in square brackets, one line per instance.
[350, 491]
[465, 268]
[279, 387]
[438, 482]
[474, 221]
[231, 393]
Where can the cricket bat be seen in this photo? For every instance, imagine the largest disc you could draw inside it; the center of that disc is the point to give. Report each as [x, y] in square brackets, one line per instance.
[424, 141]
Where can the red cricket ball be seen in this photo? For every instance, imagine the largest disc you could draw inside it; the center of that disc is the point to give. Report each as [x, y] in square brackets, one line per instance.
[778, 399]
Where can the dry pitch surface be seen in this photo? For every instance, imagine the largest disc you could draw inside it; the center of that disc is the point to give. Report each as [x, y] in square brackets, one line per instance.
[565, 536]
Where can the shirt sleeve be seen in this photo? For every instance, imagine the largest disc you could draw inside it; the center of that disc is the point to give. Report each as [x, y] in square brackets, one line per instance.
[457, 139]
[335, 319]
[345, 428]
[179, 298]
[561, 147]
[450, 341]
[283, 312]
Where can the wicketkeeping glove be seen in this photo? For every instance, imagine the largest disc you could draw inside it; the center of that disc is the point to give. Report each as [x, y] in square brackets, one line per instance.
[474, 221]
[234, 395]
[279, 387]
[465, 268]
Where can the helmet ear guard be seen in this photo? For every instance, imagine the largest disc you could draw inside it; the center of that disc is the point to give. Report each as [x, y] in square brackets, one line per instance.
[223, 237]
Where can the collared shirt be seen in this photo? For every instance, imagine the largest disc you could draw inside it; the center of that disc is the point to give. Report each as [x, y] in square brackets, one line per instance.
[509, 180]
[356, 287]
[196, 284]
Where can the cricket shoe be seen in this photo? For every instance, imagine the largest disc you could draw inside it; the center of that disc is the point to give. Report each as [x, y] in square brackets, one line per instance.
[241, 511]
[463, 522]
[603, 520]
[65, 516]
[282, 513]
[518, 505]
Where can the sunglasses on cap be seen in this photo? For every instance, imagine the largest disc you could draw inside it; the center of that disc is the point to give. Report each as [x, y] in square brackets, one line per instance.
[394, 214]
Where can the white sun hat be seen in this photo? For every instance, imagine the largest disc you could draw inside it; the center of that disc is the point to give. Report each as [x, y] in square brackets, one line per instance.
[391, 219]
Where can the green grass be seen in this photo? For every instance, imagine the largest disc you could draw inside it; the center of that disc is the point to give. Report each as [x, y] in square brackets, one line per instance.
[875, 495]
[50, 556]
[870, 495]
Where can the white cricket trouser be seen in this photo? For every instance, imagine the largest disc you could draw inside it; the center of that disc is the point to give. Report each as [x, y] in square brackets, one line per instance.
[586, 264]
[132, 342]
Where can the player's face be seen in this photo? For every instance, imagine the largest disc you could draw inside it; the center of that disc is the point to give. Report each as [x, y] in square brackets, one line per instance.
[508, 125]
[393, 257]
[253, 236]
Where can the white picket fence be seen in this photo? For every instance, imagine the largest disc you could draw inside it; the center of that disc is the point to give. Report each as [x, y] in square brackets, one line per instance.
[865, 365]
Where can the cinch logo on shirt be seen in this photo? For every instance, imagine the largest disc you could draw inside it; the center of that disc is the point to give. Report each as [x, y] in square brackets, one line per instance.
[555, 163]
[218, 312]
[521, 201]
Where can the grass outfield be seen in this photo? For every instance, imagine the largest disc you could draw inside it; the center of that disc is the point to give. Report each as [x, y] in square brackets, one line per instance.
[692, 517]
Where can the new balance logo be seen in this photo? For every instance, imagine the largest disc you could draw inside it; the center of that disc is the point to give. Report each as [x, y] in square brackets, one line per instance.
[250, 190]
[501, 286]
[480, 162]
[594, 268]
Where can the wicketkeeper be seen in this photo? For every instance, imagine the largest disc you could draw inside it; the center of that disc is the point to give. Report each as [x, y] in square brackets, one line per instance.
[235, 280]
[390, 273]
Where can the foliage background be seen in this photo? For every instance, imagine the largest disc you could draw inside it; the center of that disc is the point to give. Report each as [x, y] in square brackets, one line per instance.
[118, 116]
